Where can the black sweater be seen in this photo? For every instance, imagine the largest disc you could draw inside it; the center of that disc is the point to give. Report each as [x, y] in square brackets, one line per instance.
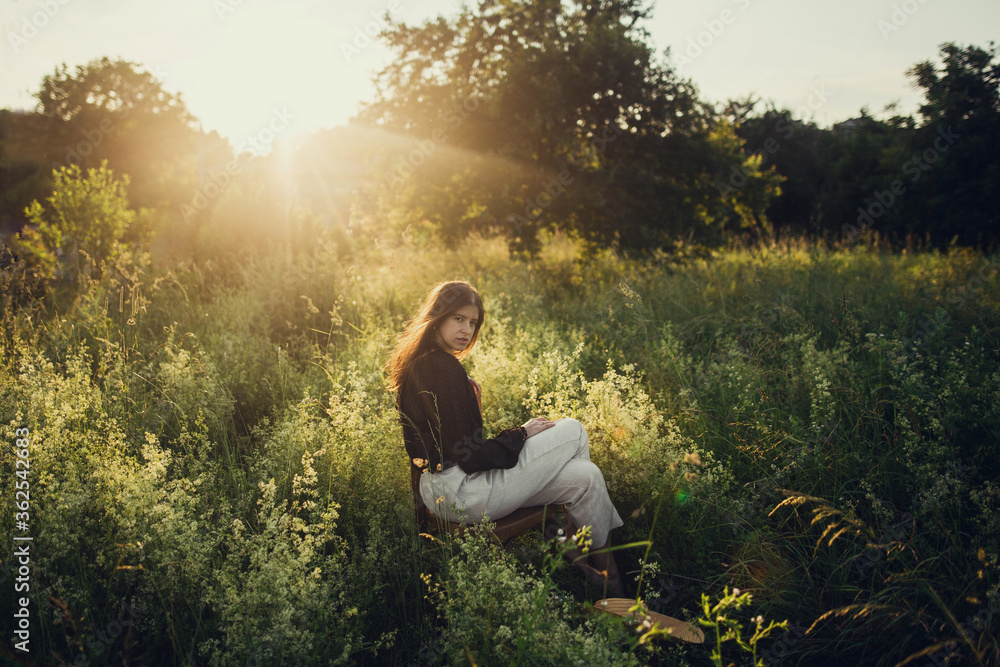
[438, 386]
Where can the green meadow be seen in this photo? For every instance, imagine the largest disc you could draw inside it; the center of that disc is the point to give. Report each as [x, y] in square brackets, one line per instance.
[217, 473]
[782, 338]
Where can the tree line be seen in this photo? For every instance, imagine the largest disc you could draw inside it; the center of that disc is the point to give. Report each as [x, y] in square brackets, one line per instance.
[936, 175]
[513, 117]
[579, 125]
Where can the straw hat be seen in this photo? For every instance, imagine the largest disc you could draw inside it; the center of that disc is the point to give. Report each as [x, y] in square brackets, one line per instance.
[676, 629]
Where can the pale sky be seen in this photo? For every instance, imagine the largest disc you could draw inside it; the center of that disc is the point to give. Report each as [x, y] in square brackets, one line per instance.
[239, 64]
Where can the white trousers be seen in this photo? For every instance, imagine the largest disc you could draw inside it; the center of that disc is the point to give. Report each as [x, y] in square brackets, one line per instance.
[553, 468]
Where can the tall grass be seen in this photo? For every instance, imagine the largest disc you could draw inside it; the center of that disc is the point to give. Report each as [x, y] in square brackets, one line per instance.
[215, 448]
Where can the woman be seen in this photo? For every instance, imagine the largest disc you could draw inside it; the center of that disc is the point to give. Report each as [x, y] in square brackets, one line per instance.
[464, 476]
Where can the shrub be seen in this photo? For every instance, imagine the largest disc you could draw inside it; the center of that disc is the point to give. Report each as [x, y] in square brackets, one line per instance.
[86, 215]
[494, 613]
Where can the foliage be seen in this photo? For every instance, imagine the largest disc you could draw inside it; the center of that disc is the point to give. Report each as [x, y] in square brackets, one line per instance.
[524, 115]
[87, 216]
[252, 212]
[24, 175]
[105, 86]
[934, 176]
[114, 111]
[725, 628]
[494, 613]
[117, 111]
[520, 118]
[800, 152]
[962, 97]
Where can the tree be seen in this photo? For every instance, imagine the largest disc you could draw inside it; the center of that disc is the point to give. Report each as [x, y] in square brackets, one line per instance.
[863, 160]
[959, 141]
[23, 177]
[800, 152]
[524, 114]
[114, 110]
[86, 214]
[107, 87]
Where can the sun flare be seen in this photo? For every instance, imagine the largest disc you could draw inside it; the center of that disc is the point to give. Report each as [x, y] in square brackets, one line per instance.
[272, 63]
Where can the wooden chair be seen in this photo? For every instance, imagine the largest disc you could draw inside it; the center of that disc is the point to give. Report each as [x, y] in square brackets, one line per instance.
[505, 530]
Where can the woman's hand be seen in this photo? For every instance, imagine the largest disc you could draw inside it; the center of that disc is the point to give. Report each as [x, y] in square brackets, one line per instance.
[537, 425]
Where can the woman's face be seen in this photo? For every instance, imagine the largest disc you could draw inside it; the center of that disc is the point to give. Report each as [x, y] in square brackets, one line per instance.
[455, 332]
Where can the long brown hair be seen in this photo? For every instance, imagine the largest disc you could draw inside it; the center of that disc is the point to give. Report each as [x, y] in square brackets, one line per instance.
[418, 336]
